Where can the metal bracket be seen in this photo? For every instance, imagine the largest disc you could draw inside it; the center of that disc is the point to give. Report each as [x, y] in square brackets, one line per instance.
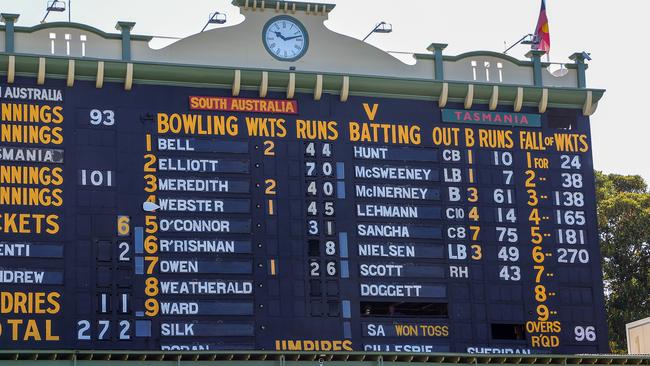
[291, 86]
[318, 90]
[128, 80]
[11, 69]
[40, 79]
[469, 97]
[543, 102]
[519, 99]
[264, 86]
[100, 75]
[589, 107]
[236, 83]
[494, 98]
[444, 95]
[71, 69]
[345, 89]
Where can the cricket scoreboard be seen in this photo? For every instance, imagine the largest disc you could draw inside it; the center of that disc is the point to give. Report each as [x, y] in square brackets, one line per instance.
[178, 218]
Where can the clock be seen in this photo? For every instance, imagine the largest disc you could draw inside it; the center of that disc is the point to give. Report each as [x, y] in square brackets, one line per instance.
[285, 38]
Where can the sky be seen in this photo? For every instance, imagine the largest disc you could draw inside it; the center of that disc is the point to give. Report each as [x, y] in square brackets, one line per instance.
[613, 32]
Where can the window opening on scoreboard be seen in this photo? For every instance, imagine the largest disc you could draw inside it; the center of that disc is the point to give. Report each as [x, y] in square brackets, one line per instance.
[333, 308]
[315, 288]
[508, 331]
[404, 309]
[314, 247]
[561, 120]
[561, 123]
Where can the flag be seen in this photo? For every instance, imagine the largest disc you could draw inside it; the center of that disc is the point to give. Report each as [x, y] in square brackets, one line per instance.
[542, 34]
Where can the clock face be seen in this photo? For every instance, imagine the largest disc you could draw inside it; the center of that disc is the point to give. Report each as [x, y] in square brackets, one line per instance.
[285, 38]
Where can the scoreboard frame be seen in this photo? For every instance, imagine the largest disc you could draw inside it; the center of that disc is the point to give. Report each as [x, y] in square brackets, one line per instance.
[459, 86]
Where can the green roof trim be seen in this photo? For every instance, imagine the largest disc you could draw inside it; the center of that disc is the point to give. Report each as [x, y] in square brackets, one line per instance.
[79, 26]
[489, 54]
[367, 85]
[430, 56]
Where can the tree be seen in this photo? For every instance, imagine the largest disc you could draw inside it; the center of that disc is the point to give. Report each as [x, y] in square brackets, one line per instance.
[624, 226]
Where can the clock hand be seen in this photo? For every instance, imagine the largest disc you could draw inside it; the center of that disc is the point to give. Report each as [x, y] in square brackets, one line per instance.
[288, 38]
[278, 34]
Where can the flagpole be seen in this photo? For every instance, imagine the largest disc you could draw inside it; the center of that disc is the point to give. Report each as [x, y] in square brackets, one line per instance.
[542, 37]
[548, 53]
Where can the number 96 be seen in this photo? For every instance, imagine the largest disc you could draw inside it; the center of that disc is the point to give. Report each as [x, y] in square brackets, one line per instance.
[586, 333]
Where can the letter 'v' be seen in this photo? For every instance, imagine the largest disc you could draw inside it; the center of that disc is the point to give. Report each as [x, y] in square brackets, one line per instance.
[370, 112]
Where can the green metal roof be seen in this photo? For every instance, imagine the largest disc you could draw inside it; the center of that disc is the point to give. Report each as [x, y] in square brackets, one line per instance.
[214, 76]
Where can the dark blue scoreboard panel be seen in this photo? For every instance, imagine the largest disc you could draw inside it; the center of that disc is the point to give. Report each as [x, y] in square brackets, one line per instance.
[181, 219]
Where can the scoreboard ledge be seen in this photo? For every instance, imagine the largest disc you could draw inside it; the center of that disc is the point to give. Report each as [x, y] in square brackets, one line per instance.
[77, 357]
[219, 76]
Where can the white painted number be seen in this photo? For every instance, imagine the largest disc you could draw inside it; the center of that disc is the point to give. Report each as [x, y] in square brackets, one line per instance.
[98, 117]
[310, 150]
[587, 333]
[311, 188]
[311, 167]
[328, 188]
[312, 210]
[83, 330]
[314, 269]
[569, 199]
[570, 255]
[327, 151]
[510, 232]
[509, 254]
[124, 252]
[96, 177]
[124, 329]
[502, 158]
[103, 329]
[510, 273]
[571, 180]
[508, 176]
[506, 214]
[570, 162]
[503, 195]
[329, 208]
[313, 227]
[327, 168]
[330, 248]
[570, 217]
[570, 236]
[331, 268]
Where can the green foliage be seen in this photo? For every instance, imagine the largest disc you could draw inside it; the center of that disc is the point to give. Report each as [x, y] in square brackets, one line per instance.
[624, 225]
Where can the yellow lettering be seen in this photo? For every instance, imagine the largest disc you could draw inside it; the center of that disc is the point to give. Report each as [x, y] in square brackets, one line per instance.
[385, 133]
[316, 130]
[31, 331]
[48, 331]
[370, 112]
[445, 136]
[469, 137]
[198, 124]
[14, 327]
[13, 112]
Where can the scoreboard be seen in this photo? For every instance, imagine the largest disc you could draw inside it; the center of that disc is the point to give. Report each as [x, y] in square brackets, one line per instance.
[177, 218]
